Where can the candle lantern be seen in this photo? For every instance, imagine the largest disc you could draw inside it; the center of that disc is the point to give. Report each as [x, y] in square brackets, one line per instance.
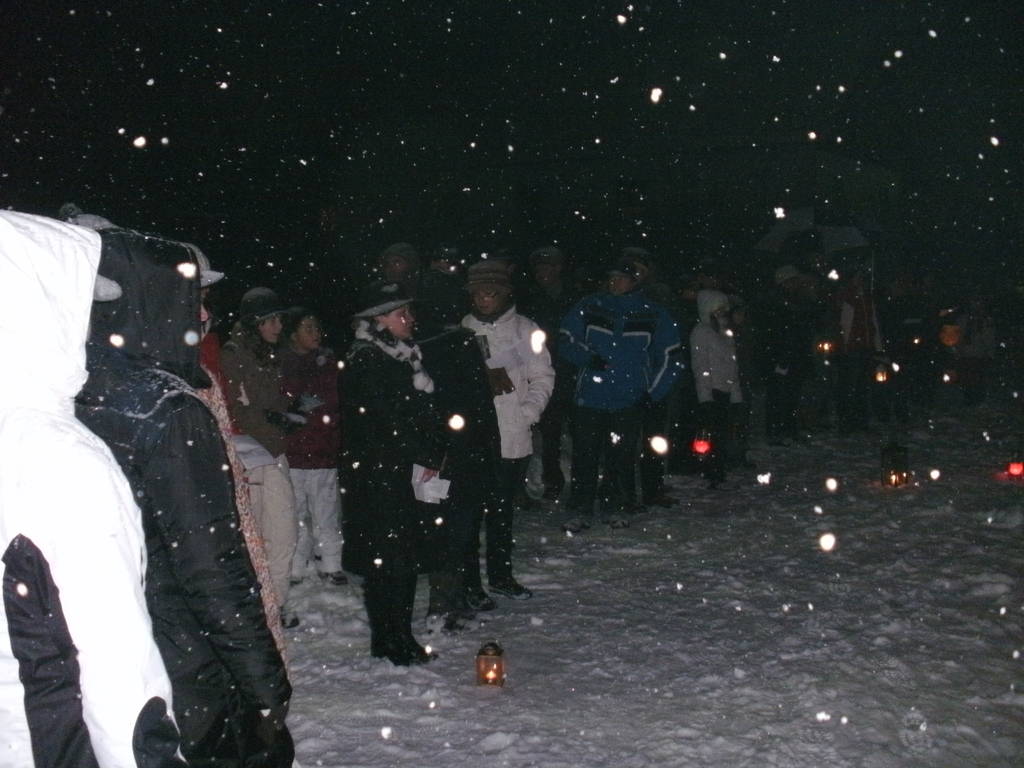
[895, 465]
[701, 445]
[1015, 469]
[490, 665]
[881, 374]
[825, 347]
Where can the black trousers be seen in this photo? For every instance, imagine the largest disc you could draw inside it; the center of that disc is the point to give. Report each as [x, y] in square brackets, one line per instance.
[499, 517]
[613, 436]
[389, 592]
[651, 463]
[552, 421]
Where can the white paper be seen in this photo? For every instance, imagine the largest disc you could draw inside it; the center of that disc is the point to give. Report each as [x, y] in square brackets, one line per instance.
[433, 491]
[251, 453]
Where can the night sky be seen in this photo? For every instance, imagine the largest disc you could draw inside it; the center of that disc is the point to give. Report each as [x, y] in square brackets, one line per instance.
[282, 134]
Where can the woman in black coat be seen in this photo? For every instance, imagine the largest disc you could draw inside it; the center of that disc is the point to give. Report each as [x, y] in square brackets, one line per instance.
[230, 688]
[391, 424]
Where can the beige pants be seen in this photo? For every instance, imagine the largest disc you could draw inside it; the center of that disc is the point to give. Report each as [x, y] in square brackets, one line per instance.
[273, 507]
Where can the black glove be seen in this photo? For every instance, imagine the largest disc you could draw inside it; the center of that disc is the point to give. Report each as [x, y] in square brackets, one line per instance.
[288, 421]
[597, 363]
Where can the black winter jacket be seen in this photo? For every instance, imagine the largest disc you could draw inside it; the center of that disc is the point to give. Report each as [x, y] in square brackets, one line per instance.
[201, 590]
[389, 426]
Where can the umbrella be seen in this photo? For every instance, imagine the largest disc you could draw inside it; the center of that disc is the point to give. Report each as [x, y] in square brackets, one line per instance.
[832, 237]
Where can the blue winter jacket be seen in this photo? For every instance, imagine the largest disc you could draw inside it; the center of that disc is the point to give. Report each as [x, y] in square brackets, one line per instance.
[637, 340]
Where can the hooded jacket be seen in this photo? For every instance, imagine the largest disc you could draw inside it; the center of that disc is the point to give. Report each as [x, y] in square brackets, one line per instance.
[81, 679]
[637, 341]
[202, 592]
[510, 342]
[713, 352]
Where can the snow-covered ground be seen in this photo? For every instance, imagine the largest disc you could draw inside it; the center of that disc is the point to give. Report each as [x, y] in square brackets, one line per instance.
[720, 632]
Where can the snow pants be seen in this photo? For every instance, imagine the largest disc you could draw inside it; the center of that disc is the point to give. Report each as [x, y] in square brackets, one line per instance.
[318, 512]
[273, 508]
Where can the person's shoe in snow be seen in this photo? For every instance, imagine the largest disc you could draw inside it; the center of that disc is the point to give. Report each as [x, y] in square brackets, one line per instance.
[478, 600]
[289, 620]
[513, 589]
[575, 524]
[617, 522]
[337, 578]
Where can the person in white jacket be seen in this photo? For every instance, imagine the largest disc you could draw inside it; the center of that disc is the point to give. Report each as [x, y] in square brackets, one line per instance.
[716, 376]
[521, 377]
[81, 680]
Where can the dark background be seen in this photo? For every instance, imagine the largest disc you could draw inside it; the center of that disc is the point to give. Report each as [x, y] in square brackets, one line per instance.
[303, 137]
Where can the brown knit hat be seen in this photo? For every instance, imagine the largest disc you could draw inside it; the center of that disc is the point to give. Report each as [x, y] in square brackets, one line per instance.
[490, 275]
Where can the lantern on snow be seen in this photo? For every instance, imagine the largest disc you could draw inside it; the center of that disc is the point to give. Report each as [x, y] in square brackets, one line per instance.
[490, 665]
[1015, 466]
[825, 347]
[881, 374]
[895, 465]
[701, 445]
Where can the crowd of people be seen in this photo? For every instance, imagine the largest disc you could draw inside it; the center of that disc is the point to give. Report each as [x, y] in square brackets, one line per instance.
[218, 473]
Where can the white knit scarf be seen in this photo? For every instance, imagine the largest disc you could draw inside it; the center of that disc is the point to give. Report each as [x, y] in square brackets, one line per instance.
[399, 350]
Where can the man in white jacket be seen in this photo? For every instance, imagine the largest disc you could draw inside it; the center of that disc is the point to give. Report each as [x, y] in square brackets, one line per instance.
[81, 680]
[521, 378]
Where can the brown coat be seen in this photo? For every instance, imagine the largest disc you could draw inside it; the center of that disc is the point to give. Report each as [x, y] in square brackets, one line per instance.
[254, 387]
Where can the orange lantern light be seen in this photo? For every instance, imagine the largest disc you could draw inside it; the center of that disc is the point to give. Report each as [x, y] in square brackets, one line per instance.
[490, 665]
[701, 445]
[895, 465]
[1015, 469]
[881, 374]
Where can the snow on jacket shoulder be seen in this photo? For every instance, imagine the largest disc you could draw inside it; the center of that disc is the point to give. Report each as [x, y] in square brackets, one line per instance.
[517, 344]
[79, 669]
[637, 340]
[713, 354]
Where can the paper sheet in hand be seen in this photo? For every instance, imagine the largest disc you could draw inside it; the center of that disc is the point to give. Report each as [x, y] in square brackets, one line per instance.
[433, 491]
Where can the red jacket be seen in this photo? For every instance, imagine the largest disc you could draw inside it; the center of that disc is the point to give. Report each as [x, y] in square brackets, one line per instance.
[316, 445]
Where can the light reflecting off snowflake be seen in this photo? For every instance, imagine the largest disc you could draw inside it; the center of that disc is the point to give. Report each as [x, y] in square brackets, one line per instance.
[659, 445]
[810, 606]
[621, 18]
[933, 33]
[895, 367]
[188, 270]
[679, 586]
[779, 211]
[165, 141]
[729, 333]
[139, 142]
[224, 467]
[456, 422]
[812, 135]
[355, 465]
[378, 562]
[831, 483]
[823, 717]
[432, 705]
[385, 732]
[898, 54]
[994, 141]
[827, 542]
[428, 649]
[1002, 610]
[597, 379]
[341, 364]
[832, 275]
[818, 510]
[22, 589]
[191, 337]
[1016, 654]
[438, 521]
[537, 339]
[326, 418]
[116, 340]
[656, 95]
[764, 478]
[935, 474]
[615, 437]
[844, 720]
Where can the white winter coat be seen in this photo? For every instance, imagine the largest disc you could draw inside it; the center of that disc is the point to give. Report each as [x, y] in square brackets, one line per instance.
[713, 354]
[510, 343]
[67, 517]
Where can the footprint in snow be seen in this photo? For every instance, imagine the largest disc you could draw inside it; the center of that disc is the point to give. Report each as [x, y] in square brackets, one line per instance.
[914, 733]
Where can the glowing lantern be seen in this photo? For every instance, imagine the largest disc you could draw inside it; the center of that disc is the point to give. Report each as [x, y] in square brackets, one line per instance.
[895, 465]
[881, 374]
[490, 665]
[701, 445]
[1015, 469]
[825, 347]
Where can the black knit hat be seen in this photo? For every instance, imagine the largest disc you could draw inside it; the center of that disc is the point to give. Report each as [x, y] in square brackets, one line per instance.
[380, 298]
[489, 274]
[624, 267]
[258, 304]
